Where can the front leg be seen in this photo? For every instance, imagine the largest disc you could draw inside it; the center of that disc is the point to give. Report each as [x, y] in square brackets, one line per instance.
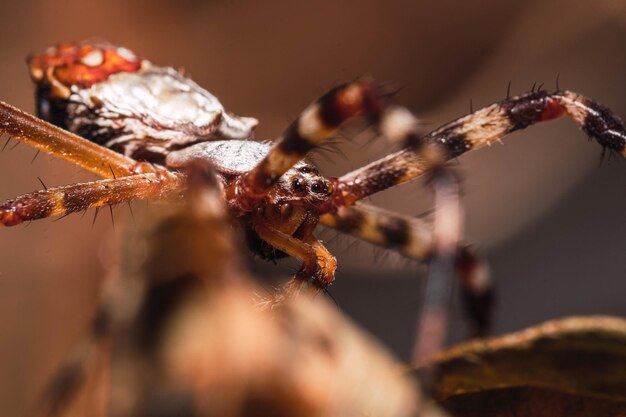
[480, 128]
[61, 201]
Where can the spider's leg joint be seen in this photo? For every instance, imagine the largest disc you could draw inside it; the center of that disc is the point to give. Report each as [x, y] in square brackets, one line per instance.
[10, 218]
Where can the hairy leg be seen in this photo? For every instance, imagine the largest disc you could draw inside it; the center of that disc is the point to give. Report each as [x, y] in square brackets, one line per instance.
[65, 145]
[318, 123]
[475, 130]
[59, 201]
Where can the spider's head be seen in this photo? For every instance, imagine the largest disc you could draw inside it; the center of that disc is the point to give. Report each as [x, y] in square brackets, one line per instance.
[68, 65]
[303, 185]
[296, 196]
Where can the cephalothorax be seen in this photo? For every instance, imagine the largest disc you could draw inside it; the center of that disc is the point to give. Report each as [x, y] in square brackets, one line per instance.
[145, 123]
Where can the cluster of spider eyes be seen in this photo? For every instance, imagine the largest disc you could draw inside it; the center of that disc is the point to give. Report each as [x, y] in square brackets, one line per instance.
[300, 185]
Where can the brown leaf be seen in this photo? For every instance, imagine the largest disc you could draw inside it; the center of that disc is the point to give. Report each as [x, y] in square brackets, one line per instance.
[531, 402]
[568, 367]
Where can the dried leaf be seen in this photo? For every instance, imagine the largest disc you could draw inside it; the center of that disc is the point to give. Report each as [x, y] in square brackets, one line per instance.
[532, 402]
[568, 367]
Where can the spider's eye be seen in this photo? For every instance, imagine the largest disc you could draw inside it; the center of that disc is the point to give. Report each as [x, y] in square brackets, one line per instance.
[298, 185]
[308, 169]
[317, 187]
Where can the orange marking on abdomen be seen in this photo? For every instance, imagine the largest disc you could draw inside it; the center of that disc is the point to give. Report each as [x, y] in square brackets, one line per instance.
[70, 64]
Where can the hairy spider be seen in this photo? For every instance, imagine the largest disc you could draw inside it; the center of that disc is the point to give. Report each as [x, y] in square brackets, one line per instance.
[138, 125]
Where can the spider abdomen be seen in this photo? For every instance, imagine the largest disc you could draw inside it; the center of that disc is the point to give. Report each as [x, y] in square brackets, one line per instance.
[108, 95]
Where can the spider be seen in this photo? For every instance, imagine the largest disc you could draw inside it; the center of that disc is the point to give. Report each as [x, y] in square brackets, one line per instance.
[138, 125]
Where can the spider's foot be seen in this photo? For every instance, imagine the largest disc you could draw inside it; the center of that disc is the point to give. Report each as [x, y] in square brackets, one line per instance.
[605, 127]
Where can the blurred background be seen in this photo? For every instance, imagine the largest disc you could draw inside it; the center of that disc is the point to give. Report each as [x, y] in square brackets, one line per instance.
[542, 209]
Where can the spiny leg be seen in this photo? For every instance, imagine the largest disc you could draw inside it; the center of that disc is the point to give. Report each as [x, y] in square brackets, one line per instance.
[475, 130]
[63, 144]
[78, 197]
[317, 123]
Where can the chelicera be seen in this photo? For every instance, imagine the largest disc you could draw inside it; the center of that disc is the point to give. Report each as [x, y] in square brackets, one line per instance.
[139, 125]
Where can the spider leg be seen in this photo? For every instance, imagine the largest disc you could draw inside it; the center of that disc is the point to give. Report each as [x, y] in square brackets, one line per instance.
[63, 144]
[477, 129]
[414, 238]
[410, 236]
[433, 319]
[312, 128]
[77, 197]
[447, 230]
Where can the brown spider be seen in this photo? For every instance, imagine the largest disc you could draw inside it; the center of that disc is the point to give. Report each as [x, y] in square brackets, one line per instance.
[138, 125]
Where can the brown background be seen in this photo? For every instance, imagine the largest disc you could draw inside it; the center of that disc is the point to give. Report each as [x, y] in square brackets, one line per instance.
[549, 220]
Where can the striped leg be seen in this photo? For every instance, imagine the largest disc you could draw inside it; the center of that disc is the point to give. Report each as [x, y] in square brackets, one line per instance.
[410, 236]
[414, 238]
[473, 131]
[60, 143]
[315, 125]
[78, 197]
